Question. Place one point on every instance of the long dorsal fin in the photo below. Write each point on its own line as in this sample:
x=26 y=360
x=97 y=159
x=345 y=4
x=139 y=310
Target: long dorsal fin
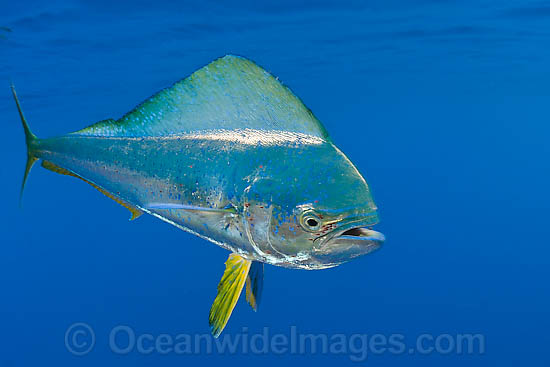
x=228 y=94
x=55 y=168
x=229 y=289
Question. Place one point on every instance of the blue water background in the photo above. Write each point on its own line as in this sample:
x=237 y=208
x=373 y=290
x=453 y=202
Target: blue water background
x=442 y=105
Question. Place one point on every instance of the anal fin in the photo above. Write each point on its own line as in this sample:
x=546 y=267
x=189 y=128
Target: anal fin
x=136 y=212
x=229 y=290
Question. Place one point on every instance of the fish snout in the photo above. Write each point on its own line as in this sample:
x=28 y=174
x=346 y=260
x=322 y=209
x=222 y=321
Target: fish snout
x=359 y=236
x=349 y=244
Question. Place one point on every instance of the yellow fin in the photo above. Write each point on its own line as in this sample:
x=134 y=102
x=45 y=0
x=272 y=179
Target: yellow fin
x=229 y=289
x=254 y=284
x=55 y=168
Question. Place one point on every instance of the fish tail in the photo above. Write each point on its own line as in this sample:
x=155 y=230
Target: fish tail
x=30 y=139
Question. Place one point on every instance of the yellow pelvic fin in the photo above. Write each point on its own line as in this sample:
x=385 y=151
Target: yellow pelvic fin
x=55 y=168
x=229 y=289
x=254 y=284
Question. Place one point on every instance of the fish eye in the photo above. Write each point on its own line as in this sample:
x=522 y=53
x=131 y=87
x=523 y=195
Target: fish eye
x=310 y=221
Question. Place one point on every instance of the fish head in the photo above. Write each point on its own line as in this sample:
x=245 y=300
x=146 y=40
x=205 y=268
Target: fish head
x=313 y=217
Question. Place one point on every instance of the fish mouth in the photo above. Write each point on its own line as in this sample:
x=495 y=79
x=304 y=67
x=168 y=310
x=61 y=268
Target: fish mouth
x=361 y=236
x=350 y=242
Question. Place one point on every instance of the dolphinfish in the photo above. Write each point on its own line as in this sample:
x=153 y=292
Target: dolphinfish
x=233 y=156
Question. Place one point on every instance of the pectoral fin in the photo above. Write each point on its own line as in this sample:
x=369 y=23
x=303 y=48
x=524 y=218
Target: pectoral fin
x=176 y=206
x=255 y=284
x=229 y=289
x=136 y=212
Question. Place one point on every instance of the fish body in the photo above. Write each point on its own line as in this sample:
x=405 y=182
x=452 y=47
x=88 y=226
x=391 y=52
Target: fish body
x=233 y=156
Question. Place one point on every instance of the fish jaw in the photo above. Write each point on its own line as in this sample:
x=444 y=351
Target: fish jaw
x=364 y=240
x=346 y=243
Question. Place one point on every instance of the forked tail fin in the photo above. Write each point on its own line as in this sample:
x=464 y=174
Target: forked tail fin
x=29 y=138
